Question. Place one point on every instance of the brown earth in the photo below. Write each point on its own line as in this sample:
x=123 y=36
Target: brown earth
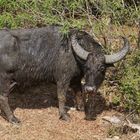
x=38 y=112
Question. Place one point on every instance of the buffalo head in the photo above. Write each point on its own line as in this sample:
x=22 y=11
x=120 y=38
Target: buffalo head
x=96 y=61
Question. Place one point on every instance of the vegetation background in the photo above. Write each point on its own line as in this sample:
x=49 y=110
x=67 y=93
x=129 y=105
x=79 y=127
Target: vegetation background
x=105 y=20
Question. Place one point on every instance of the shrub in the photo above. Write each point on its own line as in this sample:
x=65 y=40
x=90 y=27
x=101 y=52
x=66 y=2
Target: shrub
x=69 y=13
x=130 y=82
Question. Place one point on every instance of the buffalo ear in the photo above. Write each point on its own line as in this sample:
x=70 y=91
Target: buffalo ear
x=110 y=65
x=16 y=41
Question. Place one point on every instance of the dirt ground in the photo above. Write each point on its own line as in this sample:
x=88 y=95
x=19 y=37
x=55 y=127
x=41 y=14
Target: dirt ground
x=37 y=109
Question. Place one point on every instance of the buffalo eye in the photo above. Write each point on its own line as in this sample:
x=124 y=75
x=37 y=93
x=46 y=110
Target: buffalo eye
x=101 y=68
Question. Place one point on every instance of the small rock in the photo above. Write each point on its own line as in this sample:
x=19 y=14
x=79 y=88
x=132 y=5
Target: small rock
x=72 y=108
x=112 y=119
x=135 y=126
x=114 y=138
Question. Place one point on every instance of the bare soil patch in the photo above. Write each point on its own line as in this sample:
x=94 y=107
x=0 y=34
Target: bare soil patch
x=37 y=109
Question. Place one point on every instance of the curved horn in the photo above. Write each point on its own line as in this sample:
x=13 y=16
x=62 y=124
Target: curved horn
x=78 y=49
x=109 y=59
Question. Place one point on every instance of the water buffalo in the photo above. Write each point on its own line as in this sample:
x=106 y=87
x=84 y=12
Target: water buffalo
x=29 y=56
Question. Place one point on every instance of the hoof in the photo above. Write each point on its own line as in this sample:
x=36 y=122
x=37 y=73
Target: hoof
x=90 y=118
x=14 y=120
x=65 y=117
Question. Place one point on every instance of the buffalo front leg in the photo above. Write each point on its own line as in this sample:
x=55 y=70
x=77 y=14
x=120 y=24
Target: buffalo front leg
x=6 y=109
x=61 y=92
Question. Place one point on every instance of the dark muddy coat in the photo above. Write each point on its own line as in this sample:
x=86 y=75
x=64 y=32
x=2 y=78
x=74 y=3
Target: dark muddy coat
x=30 y=56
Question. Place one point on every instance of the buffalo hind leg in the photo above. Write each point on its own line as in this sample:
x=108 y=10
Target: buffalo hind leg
x=61 y=92
x=5 y=88
x=6 y=109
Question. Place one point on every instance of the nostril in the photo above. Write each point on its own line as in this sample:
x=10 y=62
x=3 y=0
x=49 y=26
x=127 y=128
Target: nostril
x=89 y=88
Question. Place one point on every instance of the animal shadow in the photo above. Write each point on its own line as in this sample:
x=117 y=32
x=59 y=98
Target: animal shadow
x=44 y=96
x=37 y=97
x=94 y=105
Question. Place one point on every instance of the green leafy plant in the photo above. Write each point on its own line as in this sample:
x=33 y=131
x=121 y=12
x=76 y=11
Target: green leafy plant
x=130 y=82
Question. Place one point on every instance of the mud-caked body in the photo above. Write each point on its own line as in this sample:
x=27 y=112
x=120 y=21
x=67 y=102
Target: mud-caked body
x=31 y=56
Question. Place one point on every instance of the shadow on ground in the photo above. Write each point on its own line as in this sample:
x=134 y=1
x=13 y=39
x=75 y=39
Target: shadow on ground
x=38 y=97
x=45 y=96
x=95 y=105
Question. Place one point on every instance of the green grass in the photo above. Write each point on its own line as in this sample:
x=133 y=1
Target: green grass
x=70 y=13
